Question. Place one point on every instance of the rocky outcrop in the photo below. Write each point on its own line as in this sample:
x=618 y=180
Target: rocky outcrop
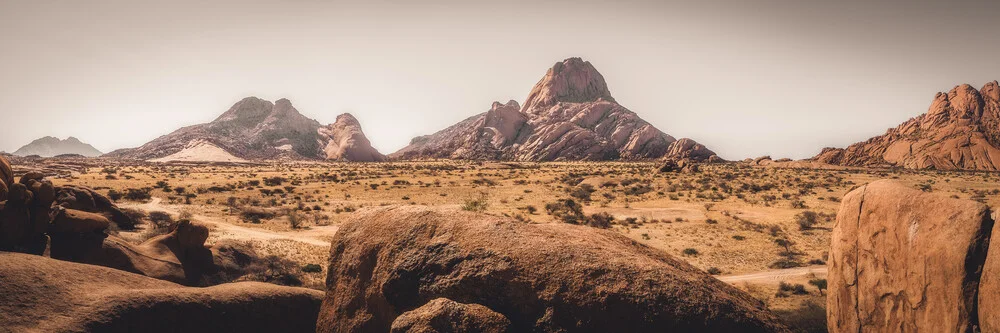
x=253 y=129
x=346 y=141
x=989 y=286
x=39 y=294
x=50 y=147
x=961 y=130
x=388 y=261
x=569 y=115
x=444 y=315
x=902 y=260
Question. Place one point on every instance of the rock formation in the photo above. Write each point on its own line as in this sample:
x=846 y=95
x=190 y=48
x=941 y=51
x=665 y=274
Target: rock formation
x=903 y=260
x=252 y=129
x=39 y=294
x=961 y=130
x=346 y=141
x=50 y=146
x=569 y=115
x=445 y=315
x=388 y=261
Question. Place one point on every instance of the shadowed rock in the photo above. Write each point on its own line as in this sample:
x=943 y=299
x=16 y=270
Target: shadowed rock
x=444 y=315
x=542 y=277
x=39 y=294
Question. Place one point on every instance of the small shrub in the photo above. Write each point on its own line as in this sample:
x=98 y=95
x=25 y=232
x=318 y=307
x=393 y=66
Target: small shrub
x=690 y=252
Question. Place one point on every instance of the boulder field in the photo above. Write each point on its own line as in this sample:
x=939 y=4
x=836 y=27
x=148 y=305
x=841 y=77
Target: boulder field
x=390 y=267
x=903 y=260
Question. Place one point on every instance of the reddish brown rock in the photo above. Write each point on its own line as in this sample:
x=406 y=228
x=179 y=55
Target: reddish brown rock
x=569 y=115
x=6 y=177
x=88 y=200
x=903 y=260
x=542 y=277
x=346 y=141
x=961 y=130
x=989 y=286
x=444 y=315
x=39 y=294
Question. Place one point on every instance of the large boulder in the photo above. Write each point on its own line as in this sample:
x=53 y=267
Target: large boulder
x=179 y=256
x=443 y=315
x=88 y=200
x=903 y=260
x=39 y=294
x=543 y=277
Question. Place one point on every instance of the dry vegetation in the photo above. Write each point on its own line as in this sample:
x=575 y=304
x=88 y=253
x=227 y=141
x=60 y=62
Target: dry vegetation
x=726 y=219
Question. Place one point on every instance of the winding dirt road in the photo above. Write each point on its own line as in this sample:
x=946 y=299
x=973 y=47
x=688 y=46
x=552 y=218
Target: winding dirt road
x=774 y=275
x=317 y=235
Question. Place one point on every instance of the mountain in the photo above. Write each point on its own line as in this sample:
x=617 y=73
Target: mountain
x=346 y=141
x=50 y=146
x=960 y=131
x=569 y=115
x=252 y=129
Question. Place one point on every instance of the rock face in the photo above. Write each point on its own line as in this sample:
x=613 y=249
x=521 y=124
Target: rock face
x=39 y=294
x=253 y=129
x=346 y=141
x=961 y=130
x=50 y=146
x=569 y=115
x=989 y=287
x=542 y=277
x=904 y=261
x=444 y=315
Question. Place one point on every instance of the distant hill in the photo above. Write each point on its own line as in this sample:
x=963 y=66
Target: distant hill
x=960 y=131
x=252 y=129
x=50 y=146
x=569 y=115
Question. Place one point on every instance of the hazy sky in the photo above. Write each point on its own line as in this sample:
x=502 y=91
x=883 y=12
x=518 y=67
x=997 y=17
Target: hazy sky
x=746 y=78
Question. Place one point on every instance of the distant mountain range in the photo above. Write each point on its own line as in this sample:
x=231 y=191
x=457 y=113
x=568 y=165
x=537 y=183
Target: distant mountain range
x=961 y=130
x=569 y=115
x=51 y=146
x=255 y=129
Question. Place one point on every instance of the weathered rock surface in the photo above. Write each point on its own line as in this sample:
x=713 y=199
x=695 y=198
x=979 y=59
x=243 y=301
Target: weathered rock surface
x=50 y=146
x=569 y=115
x=989 y=286
x=39 y=294
x=903 y=260
x=253 y=129
x=443 y=315
x=542 y=277
x=346 y=141
x=961 y=130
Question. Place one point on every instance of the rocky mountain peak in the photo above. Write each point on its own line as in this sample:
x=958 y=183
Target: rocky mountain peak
x=573 y=81
x=250 y=110
x=961 y=130
x=345 y=141
x=51 y=146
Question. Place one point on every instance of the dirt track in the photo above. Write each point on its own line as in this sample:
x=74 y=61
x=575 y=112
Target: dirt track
x=775 y=275
x=313 y=236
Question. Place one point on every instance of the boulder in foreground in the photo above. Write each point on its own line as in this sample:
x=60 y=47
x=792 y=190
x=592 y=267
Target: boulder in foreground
x=903 y=260
x=39 y=294
x=542 y=277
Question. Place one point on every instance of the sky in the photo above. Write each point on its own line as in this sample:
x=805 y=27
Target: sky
x=746 y=78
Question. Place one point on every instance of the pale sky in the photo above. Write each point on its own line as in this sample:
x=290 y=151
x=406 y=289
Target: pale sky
x=745 y=78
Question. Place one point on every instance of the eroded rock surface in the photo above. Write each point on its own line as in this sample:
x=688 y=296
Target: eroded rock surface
x=569 y=115
x=542 y=277
x=961 y=130
x=903 y=260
